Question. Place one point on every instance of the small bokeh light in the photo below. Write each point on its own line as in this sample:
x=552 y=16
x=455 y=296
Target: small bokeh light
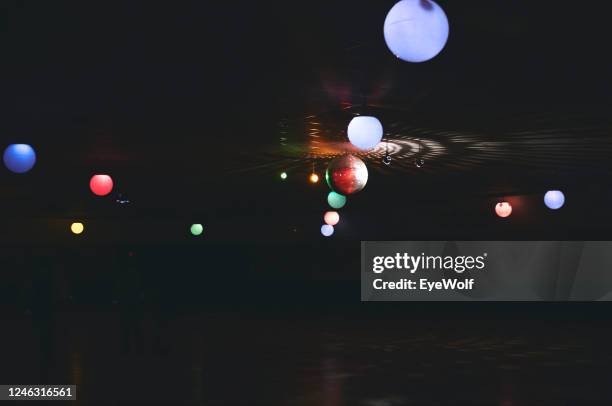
x=197 y=229
x=77 y=228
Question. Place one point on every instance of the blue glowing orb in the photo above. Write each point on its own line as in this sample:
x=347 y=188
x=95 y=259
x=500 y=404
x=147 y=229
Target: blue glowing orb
x=554 y=199
x=365 y=132
x=327 y=230
x=416 y=30
x=19 y=158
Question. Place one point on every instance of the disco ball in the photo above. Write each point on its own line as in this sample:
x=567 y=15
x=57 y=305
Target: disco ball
x=346 y=174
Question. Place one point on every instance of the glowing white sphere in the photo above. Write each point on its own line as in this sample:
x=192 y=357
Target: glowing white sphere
x=416 y=30
x=327 y=230
x=365 y=132
x=554 y=199
x=331 y=217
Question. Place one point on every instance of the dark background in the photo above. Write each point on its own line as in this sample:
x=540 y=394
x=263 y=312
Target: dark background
x=195 y=108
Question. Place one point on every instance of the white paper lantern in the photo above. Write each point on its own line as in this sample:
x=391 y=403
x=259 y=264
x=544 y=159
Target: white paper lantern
x=554 y=199
x=365 y=132
x=327 y=230
x=416 y=30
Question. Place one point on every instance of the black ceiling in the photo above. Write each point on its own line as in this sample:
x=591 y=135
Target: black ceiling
x=195 y=108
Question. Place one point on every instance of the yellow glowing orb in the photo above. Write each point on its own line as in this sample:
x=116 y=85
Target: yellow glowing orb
x=77 y=228
x=314 y=178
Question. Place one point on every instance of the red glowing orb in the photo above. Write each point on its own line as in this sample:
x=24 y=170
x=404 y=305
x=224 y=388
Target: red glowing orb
x=346 y=174
x=101 y=185
x=503 y=209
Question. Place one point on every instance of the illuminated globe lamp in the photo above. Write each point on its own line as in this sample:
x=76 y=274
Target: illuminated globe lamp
x=503 y=209
x=416 y=30
x=327 y=230
x=364 y=132
x=313 y=178
x=336 y=200
x=101 y=185
x=554 y=199
x=77 y=228
x=346 y=174
x=19 y=158
x=283 y=175
x=331 y=217
x=196 y=229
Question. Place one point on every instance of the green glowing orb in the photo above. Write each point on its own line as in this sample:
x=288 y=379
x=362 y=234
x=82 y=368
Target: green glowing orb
x=336 y=200
x=197 y=229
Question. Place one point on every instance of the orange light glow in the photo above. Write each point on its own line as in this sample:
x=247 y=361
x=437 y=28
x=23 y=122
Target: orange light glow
x=314 y=178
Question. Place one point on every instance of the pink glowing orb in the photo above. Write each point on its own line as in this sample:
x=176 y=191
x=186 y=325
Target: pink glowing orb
x=503 y=209
x=332 y=218
x=101 y=185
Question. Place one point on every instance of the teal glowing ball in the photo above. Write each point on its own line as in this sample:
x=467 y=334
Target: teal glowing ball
x=336 y=200
x=19 y=158
x=365 y=132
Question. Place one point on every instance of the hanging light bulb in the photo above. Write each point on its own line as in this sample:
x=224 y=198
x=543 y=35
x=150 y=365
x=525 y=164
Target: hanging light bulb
x=283 y=175
x=314 y=178
x=387 y=158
